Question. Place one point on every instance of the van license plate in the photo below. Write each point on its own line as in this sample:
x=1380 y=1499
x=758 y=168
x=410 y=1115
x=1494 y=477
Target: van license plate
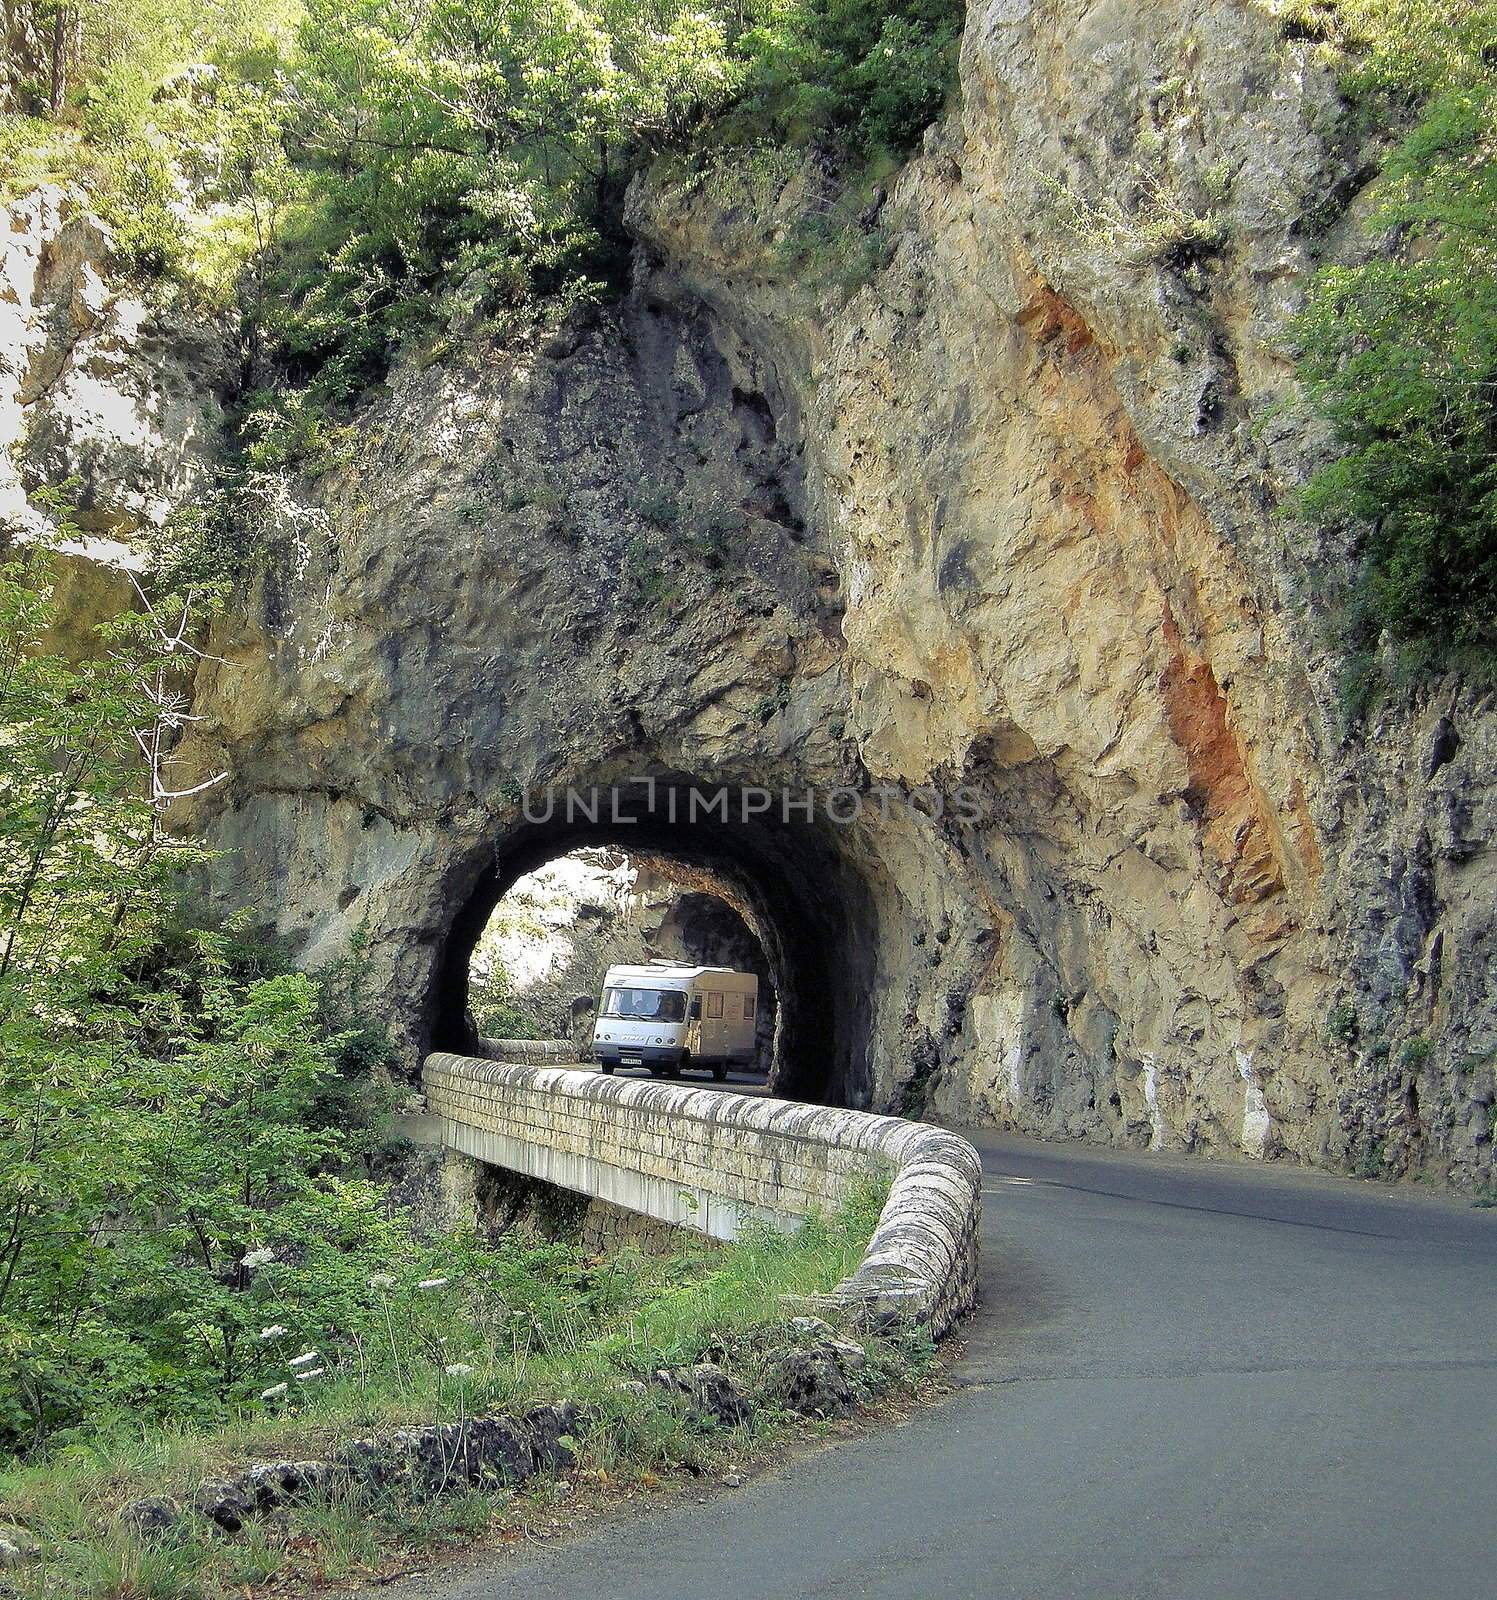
x=632 y=1061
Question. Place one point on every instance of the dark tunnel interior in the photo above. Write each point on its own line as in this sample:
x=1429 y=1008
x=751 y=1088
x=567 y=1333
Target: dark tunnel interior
x=793 y=881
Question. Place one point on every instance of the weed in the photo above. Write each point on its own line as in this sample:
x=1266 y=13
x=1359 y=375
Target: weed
x=1372 y=1162
x=1416 y=1051
x=660 y=508
x=533 y=1322
x=1217 y=182
x=1159 y=227
x=650 y=585
x=1342 y=1023
x=771 y=704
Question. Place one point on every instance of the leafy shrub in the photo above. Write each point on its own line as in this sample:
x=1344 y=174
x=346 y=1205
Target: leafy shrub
x=171 y=1147
x=1416 y=1052
x=33 y=150
x=497 y=1011
x=1400 y=353
x=350 y=171
x=1156 y=225
x=868 y=77
x=1342 y=1024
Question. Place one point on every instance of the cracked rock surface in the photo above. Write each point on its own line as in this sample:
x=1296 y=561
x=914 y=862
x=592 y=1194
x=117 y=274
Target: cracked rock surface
x=1003 y=514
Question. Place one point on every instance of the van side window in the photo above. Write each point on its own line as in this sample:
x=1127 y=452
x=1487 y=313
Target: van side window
x=714 y=1003
x=748 y=1008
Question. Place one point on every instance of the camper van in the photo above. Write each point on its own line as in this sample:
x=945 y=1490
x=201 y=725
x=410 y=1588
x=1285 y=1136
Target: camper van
x=666 y=1017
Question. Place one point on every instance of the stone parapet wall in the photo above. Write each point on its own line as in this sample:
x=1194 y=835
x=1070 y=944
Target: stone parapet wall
x=716 y=1161
x=536 y=1052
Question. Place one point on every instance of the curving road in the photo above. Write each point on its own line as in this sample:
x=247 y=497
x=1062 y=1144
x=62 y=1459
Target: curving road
x=1186 y=1381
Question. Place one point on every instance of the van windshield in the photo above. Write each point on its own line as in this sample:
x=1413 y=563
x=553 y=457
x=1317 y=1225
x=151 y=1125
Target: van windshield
x=649 y=1005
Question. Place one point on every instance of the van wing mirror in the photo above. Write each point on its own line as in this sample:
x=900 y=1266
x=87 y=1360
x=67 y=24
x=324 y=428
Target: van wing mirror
x=695 y=1013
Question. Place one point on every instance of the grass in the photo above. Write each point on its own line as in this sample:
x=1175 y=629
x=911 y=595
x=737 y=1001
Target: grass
x=536 y=1323
x=33 y=151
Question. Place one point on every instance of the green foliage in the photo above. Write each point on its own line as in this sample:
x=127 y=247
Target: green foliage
x=1416 y=1052
x=343 y=169
x=660 y=508
x=496 y=1010
x=644 y=571
x=156 y=148
x=846 y=73
x=833 y=246
x=1400 y=353
x=457 y=143
x=1156 y=225
x=1405 y=49
x=770 y=704
x=1371 y=1160
x=162 y=1105
x=1342 y=1024
x=33 y=150
x=458 y=1329
x=361 y=1091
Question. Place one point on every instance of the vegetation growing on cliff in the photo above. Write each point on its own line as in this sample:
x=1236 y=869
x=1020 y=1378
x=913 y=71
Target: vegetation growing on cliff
x=344 y=170
x=339 y=166
x=1399 y=350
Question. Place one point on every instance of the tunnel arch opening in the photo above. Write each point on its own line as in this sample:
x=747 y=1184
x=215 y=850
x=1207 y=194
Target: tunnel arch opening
x=794 y=882
x=539 y=966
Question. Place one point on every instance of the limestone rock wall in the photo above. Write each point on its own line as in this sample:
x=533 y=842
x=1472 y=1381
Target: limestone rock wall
x=997 y=509
x=1045 y=448
x=101 y=387
x=109 y=399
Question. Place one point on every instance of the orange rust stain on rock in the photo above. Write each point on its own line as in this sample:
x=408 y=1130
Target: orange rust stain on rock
x=1047 y=317
x=1235 y=827
x=1121 y=490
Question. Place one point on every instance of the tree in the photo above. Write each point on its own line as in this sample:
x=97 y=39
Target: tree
x=169 y=1183
x=1400 y=353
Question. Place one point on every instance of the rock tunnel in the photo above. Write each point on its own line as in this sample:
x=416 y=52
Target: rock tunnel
x=793 y=880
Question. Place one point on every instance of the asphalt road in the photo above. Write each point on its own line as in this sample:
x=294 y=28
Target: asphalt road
x=1186 y=1380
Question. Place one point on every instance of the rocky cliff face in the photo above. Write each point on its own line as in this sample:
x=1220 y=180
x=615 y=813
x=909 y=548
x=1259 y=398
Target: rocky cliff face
x=1000 y=515
x=23 y=52
x=111 y=401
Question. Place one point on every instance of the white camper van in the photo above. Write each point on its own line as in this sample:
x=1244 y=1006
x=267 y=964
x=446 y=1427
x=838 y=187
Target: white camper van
x=666 y=1017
